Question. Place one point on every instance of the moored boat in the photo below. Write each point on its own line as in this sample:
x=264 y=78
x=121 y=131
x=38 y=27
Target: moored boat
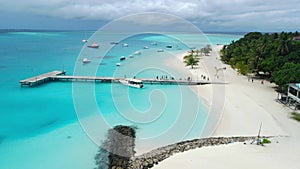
x=132 y=83
x=93 y=45
x=125 y=45
x=85 y=60
x=137 y=52
x=122 y=58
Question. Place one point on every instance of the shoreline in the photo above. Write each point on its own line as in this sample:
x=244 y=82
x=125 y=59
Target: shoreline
x=246 y=105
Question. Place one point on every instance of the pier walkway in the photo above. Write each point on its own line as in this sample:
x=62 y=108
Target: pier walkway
x=40 y=79
x=60 y=76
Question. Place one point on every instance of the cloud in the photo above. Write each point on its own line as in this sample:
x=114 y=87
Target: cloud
x=256 y=14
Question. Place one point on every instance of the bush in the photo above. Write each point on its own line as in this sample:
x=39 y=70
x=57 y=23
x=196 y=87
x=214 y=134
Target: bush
x=295 y=116
x=266 y=141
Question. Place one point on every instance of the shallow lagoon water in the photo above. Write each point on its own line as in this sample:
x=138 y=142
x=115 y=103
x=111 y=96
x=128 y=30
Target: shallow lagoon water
x=41 y=120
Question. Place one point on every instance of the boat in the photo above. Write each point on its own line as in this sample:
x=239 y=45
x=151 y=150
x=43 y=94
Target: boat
x=131 y=56
x=146 y=47
x=153 y=43
x=84 y=40
x=137 y=52
x=118 y=64
x=160 y=50
x=125 y=45
x=94 y=45
x=114 y=43
x=132 y=83
x=169 y=46
x=85 y=60
x=122 y=58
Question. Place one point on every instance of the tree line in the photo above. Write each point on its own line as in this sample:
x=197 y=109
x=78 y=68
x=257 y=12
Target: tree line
x=274 y=55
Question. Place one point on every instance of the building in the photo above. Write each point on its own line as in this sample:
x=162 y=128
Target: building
x=293 y=97
x=296 y=38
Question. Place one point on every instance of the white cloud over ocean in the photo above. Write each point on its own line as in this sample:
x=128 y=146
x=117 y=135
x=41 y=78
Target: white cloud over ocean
x=255 y=14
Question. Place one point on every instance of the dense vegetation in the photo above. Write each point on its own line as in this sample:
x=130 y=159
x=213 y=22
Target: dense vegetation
x=276 y=55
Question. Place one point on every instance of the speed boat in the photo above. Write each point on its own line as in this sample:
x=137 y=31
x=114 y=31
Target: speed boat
x=85 y=60
x=122 y=58
x=137 y=52
x=94 y=45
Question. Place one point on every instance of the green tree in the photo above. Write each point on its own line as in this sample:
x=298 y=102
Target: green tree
x=191 y=60
x=284 y=47
x=268 y=53
x=289 y=73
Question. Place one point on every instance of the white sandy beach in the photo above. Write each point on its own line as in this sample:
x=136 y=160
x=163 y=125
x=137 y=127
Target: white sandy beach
x=246 y=105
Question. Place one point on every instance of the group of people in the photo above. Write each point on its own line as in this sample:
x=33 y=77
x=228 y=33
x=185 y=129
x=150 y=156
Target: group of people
x=165 y=77
x=252 y=80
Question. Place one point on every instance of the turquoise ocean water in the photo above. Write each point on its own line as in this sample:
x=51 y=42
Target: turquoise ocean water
x=45 y=119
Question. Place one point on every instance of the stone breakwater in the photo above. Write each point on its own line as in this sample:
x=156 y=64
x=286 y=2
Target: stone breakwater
x=149 y=159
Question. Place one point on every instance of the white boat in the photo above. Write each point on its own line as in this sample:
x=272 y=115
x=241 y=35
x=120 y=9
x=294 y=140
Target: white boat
x=146 y=47
x=118 y=64
x=122 y=58
x=132 y=83
x=125 y=45
x=85 y=60
x=131 y=56
x=137 y=52
x=153 y=43
x=94 y=45
x=84 y=40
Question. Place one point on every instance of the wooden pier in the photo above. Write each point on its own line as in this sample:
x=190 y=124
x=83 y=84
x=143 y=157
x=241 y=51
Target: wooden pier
x=60 y=76
x=41 y=79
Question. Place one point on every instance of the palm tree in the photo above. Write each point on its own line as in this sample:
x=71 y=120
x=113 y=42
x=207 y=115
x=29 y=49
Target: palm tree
x=284 y=47
x=191 y=52
x=206 y=51
x=191 y=60
x=208 y=47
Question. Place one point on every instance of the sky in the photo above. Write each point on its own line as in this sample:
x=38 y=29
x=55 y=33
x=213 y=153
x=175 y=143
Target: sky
x=207 y=15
